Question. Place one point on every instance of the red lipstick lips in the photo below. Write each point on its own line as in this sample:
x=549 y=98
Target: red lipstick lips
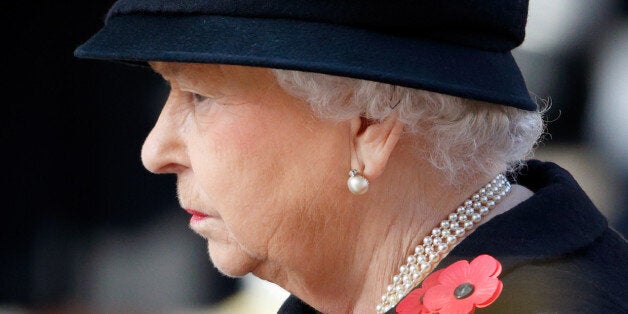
x=196 y=215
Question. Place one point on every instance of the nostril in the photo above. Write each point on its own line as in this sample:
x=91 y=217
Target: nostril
x=170 y=168
x=160 y=162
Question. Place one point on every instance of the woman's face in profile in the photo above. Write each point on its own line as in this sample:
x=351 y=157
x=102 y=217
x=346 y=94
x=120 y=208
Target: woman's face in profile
x=251 y=157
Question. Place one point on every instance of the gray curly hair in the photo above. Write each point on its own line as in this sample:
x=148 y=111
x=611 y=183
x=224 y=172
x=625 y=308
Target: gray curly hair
x=465 y=137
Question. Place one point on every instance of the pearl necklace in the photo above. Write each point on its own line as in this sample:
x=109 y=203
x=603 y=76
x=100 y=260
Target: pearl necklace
x=442 y=239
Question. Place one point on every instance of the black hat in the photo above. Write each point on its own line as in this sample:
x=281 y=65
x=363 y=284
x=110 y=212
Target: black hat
x=456 y=47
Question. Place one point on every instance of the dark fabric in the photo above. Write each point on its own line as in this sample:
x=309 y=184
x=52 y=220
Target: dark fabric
x=491 y=25
x=461 y=49
x=557 y=252
x=294 y=305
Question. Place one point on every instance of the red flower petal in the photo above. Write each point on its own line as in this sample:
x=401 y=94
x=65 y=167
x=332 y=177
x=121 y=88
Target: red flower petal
x=455 y=274
x=498 y=271
x=411 y=304
x=484 y=266
x=431 y=280
x=484 y=290
x=494 y=297
x=463 y=306
x=437 y=297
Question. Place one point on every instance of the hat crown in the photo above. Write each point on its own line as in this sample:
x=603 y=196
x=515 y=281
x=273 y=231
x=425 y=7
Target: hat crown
x=495 y=25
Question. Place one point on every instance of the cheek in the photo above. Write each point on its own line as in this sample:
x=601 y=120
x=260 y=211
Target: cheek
x=236 y=164
x=228 y=157
x=261 y=175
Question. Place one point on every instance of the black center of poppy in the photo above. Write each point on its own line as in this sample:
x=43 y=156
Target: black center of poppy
x=464 y=290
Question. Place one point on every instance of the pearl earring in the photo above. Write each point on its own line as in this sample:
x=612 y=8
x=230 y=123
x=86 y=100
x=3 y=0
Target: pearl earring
x=357 y=184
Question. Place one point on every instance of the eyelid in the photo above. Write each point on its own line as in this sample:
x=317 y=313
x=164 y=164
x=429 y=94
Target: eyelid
x=204 y=94
x=199 y=97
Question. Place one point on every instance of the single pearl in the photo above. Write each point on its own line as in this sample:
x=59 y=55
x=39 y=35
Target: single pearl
x=418 y=249
x=483 y=210
x=406 y=279
x=453 y=217
x=451 y=239
x=358 y=185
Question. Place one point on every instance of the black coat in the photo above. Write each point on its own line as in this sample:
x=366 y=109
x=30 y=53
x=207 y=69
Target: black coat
x=557 y=252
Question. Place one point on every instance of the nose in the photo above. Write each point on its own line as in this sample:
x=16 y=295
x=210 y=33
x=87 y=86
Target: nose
x=164 y=149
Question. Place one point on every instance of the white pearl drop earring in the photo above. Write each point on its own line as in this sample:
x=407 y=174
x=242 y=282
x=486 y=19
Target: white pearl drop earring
x=357 y=184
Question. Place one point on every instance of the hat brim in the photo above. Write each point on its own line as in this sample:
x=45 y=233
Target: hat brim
x=316 y=47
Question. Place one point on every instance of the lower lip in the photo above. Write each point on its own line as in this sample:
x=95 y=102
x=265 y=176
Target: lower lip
x=196 y=216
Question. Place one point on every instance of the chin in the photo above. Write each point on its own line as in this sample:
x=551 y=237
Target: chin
x=229 y=260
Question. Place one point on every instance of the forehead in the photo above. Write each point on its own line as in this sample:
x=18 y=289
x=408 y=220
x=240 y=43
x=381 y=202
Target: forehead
x=164 y=68
x=212 y=72
x=220 y=78
x=174 y=69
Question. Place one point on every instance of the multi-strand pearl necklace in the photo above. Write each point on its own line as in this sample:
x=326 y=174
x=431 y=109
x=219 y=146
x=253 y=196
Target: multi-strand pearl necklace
x=442 y=239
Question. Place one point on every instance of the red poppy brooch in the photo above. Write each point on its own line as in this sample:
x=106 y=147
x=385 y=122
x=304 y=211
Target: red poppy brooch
x=459 y=288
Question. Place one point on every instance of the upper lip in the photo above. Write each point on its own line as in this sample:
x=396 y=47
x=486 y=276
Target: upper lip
x=196 y=212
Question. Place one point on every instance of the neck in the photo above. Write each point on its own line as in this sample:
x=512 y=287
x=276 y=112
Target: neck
x=411 y=224
x=385 y=229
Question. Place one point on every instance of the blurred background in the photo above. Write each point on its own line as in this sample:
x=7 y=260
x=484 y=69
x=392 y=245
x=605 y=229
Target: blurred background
x=86 y=229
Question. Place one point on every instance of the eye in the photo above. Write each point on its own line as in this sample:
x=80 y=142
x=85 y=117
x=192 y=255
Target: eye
x=198 y=98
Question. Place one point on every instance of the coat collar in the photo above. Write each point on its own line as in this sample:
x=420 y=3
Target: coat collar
x=559 y=218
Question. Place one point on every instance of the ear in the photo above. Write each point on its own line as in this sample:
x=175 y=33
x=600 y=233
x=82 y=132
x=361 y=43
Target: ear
x=373 y=143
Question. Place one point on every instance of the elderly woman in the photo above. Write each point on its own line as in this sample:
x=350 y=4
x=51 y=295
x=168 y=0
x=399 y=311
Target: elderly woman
x=367 y=155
